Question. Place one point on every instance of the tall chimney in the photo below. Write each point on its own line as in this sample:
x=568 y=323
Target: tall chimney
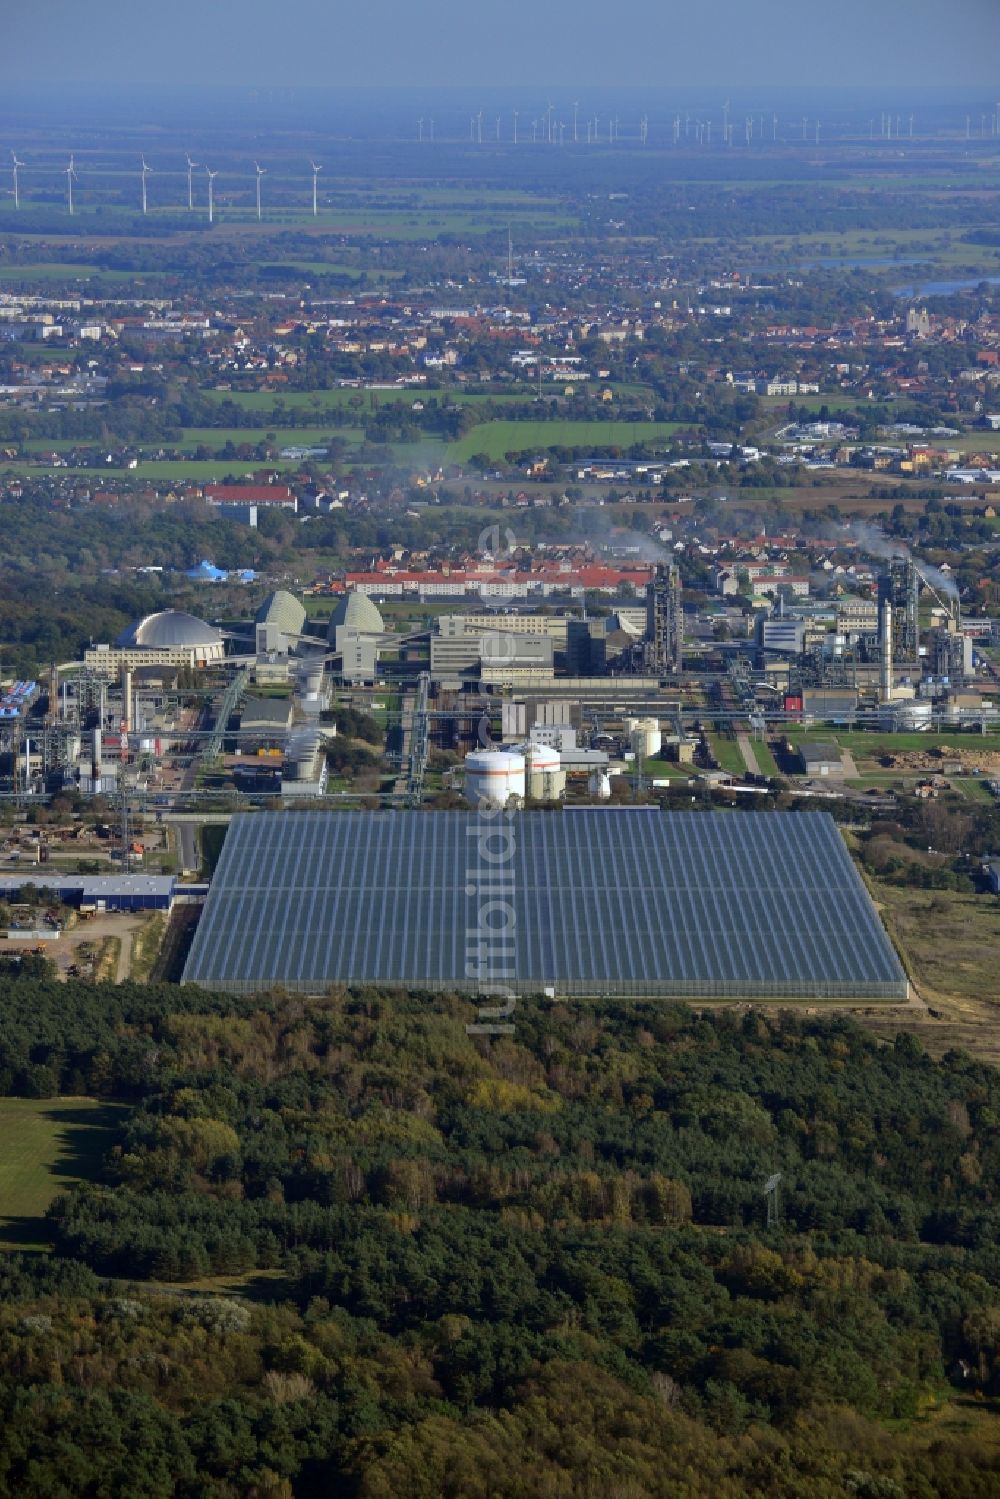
x=95 y=758
x=885 y=653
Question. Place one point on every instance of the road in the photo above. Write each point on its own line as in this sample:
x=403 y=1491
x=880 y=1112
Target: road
x=748 y=753
x=187 y=846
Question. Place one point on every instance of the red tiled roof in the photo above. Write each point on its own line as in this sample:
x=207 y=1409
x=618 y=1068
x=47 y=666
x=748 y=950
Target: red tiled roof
x=249 y=494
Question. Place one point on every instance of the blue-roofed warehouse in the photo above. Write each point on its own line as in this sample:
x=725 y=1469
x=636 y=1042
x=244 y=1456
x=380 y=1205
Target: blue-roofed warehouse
x=105 y=892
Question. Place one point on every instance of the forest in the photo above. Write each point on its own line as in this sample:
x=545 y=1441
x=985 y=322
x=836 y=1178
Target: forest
x=529 y=1265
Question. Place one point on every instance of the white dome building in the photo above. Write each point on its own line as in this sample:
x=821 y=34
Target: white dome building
x=167 y=638
x=171 y=630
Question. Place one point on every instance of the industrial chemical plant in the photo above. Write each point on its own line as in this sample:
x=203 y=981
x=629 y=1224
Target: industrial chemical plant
x=528 y=701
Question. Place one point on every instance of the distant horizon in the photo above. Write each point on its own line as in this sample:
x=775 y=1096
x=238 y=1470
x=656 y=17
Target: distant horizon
x=659 y=45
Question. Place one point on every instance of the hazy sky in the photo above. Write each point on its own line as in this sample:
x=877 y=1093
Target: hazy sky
x=738 y=44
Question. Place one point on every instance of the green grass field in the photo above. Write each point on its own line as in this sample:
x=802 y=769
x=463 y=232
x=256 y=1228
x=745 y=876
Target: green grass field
x=727 y=753
x=68 y=271
x=48 y=1144
x=942 y=247
x=971 y=442
x=365 y=400
x=494 y=439
x=283 y=437
x=667 y=770
x=869 y=745
x=170 y=470
x=765 y=759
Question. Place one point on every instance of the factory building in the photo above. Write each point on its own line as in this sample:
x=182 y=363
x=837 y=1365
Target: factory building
x=781 y=635
x=491 y=656
x=305 y=771
x=100 y=892
x=820 y=759
x=586 y=647
x=355 y=631
x=555 y=625
x=951 y=654
x=664 y=620
x=899 y=595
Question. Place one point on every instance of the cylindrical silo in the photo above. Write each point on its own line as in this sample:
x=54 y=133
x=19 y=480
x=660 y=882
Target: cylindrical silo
x=645 y=739
x=494 y=777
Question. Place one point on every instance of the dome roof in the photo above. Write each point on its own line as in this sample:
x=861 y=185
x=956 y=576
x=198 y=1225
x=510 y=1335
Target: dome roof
x=355 y=611
x=171 y=629
x=284 y=610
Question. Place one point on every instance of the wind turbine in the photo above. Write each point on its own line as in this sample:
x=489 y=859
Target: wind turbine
x=420 y=129
x=211 y=194
x=145 y=173
x=576 y=106
x=316 y=169
x=70 y=175
x=261 y=172
x=17 y=198
x=515 y=126
x=191 y=167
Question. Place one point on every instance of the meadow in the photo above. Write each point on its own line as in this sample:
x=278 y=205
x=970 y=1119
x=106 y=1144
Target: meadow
x=48 y=1145
x=68 y=271
x=494 y=439
x=364 y=399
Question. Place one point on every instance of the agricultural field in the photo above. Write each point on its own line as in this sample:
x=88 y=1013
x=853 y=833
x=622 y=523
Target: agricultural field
x=494 y=439
x=173 y=470
x=900 y=249
x=979 y=441
x=363 y=399
x=49 y=1144
x=290 y=437
x=68 y=271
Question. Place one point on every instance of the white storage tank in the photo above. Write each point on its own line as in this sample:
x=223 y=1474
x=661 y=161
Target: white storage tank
x=495 y=777
x=906 y=715
x=546 y=785
x=541 y=757
x=644 y=737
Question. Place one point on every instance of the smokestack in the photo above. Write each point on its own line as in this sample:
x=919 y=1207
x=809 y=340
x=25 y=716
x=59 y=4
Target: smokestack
x=885 y=653
x=126 y=701
x=95 y=757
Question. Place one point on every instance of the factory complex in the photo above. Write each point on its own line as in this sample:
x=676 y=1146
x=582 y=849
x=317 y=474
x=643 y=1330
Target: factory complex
x=593 y=901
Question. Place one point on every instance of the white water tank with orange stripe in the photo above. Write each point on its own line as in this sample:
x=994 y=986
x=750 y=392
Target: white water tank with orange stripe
x=494 y=777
